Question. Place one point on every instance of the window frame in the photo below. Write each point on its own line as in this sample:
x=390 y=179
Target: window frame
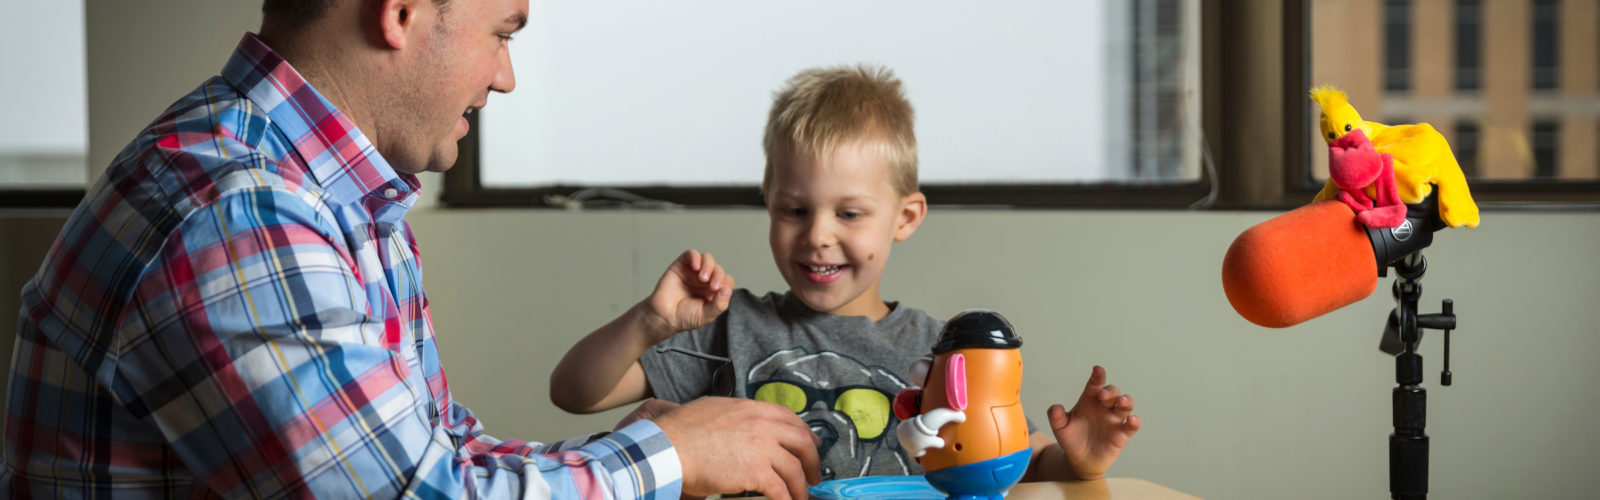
x=22 y=197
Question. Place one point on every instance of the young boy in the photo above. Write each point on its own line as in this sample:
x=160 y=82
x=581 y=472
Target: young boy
x=840 y=187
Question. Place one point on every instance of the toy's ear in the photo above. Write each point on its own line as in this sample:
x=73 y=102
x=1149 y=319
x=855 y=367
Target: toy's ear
x=955 y=382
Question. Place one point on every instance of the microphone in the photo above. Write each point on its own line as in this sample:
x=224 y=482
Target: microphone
x=1317 y=258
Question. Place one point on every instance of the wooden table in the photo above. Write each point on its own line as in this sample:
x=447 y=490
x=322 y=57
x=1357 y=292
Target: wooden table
x=1115 y=488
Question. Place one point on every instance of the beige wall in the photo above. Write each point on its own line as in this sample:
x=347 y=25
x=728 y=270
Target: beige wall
x=1231 y=410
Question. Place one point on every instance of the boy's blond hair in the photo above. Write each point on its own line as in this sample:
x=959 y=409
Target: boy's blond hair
x=821 y=110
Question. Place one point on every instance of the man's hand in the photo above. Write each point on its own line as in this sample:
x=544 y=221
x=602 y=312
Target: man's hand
x=1092 y=435
x=732 y=445
x=648 y=410
x=692 y=292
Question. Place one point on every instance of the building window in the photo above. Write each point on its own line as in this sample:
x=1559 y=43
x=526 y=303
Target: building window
x=1546 y=147
x=1546 y=34
x=1469 y=44
x=1397 y=45
x=44 y=137
x=1465 y=146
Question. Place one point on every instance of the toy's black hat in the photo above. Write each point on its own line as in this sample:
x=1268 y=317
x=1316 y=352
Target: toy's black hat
x=977 y=328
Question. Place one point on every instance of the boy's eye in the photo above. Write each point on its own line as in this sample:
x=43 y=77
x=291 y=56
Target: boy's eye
x=849 y=215
x=794 y=212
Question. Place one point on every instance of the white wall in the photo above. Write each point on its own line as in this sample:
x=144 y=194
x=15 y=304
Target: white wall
x=1231 y=410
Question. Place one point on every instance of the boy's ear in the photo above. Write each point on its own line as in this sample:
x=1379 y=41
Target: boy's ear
x=912 y=210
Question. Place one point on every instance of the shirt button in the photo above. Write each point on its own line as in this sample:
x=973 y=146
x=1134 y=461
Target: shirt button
x=390 y=193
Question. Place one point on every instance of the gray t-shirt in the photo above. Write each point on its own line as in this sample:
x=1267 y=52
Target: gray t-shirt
x=839 y=373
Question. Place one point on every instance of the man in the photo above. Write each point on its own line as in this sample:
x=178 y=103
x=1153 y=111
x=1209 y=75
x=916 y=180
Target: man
x=236 y=308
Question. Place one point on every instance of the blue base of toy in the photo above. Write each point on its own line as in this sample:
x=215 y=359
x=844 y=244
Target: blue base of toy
x=986 y=480
x=877 y=488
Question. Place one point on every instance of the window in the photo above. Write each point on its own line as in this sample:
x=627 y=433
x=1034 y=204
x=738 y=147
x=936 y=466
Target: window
x=1468 y=44
x=1546 y=148
x=1397 y=45
x=1546 y=49
x=1258 y=60
x=1023 y=103
x=1465 y=145
x=43 y=116
x=1507 y=130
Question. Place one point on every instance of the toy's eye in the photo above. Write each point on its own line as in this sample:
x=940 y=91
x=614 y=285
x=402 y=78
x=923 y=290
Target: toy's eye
x=1346 y=127
x=1332 y=135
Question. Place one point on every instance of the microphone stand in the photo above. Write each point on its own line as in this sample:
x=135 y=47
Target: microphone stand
x=1408 y=445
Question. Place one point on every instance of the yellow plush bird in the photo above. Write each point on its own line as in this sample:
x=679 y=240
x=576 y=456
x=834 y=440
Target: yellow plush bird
x=1422 y=158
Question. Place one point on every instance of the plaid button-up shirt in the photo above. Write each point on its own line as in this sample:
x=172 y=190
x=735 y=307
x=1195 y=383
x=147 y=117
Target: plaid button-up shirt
x=236 y=309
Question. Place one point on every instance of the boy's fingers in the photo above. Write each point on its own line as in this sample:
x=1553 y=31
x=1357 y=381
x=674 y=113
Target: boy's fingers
x=718 y=275
x=1058 y=417
x=692 y=258
x=707 y=265
x=1108 y=396
x=1097 y=378
x=1133 y=424
x=1124 y=403
x=726 y=292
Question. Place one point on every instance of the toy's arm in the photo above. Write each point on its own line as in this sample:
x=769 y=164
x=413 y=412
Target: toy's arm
x=1389 y=210
x=1388 y=194
x=919 y=433
x=1356 y=199
x=1456 y=207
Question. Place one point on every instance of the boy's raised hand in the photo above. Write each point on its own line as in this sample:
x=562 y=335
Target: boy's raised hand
x=1092 y=435
x=692 y=292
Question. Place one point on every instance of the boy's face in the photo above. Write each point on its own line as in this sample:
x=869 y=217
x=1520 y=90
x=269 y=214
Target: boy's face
x=833 y=220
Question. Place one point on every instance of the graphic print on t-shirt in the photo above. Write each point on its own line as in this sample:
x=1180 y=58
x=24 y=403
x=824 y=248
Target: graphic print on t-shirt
x=846 y=403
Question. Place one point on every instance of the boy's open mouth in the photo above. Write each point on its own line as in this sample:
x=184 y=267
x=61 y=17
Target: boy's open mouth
x=822 y=274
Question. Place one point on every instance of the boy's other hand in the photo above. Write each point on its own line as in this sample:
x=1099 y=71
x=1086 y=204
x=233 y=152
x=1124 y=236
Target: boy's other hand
x=692 y=292
x=1093 y=434
x=729 y=445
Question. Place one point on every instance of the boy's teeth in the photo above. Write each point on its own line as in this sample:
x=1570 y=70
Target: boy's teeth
x=823 y=269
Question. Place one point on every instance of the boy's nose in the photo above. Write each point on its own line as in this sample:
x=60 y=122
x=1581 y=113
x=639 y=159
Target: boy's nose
x=820 y=235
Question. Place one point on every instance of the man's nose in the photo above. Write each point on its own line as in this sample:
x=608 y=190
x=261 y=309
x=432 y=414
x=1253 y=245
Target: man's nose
x=505 y=79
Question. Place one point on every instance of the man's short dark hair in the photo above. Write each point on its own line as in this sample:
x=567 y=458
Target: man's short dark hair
x=301 y=12
x=294 y=12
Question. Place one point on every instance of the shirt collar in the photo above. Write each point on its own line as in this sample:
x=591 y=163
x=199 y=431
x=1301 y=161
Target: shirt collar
x=336 y=153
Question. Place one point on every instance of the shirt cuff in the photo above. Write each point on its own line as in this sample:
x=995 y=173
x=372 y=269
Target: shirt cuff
x=641 y=461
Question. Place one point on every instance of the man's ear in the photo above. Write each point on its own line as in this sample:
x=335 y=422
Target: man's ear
x=396 y=19
x=912 y=210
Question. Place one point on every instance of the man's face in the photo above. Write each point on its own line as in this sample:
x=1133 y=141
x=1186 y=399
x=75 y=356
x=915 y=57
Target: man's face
x=832 y=222
x=458 y=56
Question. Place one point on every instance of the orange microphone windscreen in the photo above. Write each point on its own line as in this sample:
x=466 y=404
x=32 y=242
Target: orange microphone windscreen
x=1300 y=265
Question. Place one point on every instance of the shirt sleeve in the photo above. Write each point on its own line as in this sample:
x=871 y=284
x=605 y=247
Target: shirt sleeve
x=256 y=349
x=680 y=377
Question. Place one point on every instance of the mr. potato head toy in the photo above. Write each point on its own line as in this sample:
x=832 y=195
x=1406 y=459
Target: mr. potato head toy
x=966 y=424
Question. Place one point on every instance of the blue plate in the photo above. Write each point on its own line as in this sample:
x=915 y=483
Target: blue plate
x=877 y=488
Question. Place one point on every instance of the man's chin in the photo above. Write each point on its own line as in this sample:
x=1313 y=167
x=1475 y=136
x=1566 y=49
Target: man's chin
x=445 y=161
